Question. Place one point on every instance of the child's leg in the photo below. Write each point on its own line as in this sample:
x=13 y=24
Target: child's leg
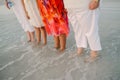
x=28 y=36
x=57 y=42
x=38 y=36
x=62 y=38
x=44 y=35
x=32 y=36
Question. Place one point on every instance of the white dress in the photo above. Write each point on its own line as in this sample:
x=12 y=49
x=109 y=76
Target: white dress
x=84 y=22
x=20 y=14
x=33 y=12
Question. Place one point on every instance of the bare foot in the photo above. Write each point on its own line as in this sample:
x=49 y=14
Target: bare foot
x=38 y=42
x=57 y=47
x=43 y=44
x=93 y=57
x=80 y=51
x=61 y=50
x=32 y=40
x=93 y=54
x=29 y=41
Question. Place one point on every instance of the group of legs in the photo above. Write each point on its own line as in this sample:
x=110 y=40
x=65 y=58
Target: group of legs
x=85 y=31
x=59 y=41
x=36 y=35
x=41 y=32
x=33 y=16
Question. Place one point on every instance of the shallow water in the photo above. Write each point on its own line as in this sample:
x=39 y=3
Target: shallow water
x=20 y=60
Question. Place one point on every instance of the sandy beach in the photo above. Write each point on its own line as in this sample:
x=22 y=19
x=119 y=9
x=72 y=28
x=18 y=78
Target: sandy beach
x=20 y=60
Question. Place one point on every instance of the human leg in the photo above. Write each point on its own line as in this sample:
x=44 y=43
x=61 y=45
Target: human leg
x=38 y=35
x=56 y=42
x=62 y=39
x=44 y=35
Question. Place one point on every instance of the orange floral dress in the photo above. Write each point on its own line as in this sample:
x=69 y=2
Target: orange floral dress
x=54 y=16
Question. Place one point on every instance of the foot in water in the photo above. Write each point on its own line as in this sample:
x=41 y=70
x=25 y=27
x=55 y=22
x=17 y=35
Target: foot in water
x=93 y=57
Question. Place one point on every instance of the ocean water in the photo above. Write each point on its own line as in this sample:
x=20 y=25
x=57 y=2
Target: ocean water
x=20 y=60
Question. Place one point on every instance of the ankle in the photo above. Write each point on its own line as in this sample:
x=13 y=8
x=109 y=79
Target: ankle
x=32 y=40
x=28 y=40
x=62 y=49
x=80 y=50
x=38 y=42
x=94 y=54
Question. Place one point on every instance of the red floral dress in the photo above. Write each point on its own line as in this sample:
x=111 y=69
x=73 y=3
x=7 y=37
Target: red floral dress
x=54 y=16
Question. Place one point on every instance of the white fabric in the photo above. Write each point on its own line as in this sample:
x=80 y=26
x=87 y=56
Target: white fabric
x=76 y=3
x=20 y=14
x=32 y=9
x=85 y=26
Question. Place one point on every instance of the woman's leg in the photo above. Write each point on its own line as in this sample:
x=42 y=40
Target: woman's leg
x=32 y=36
x=93 y=35
x=57 y=42
x=28 y=36
x=38 y=35
x=62 y=39
x=44 y=35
